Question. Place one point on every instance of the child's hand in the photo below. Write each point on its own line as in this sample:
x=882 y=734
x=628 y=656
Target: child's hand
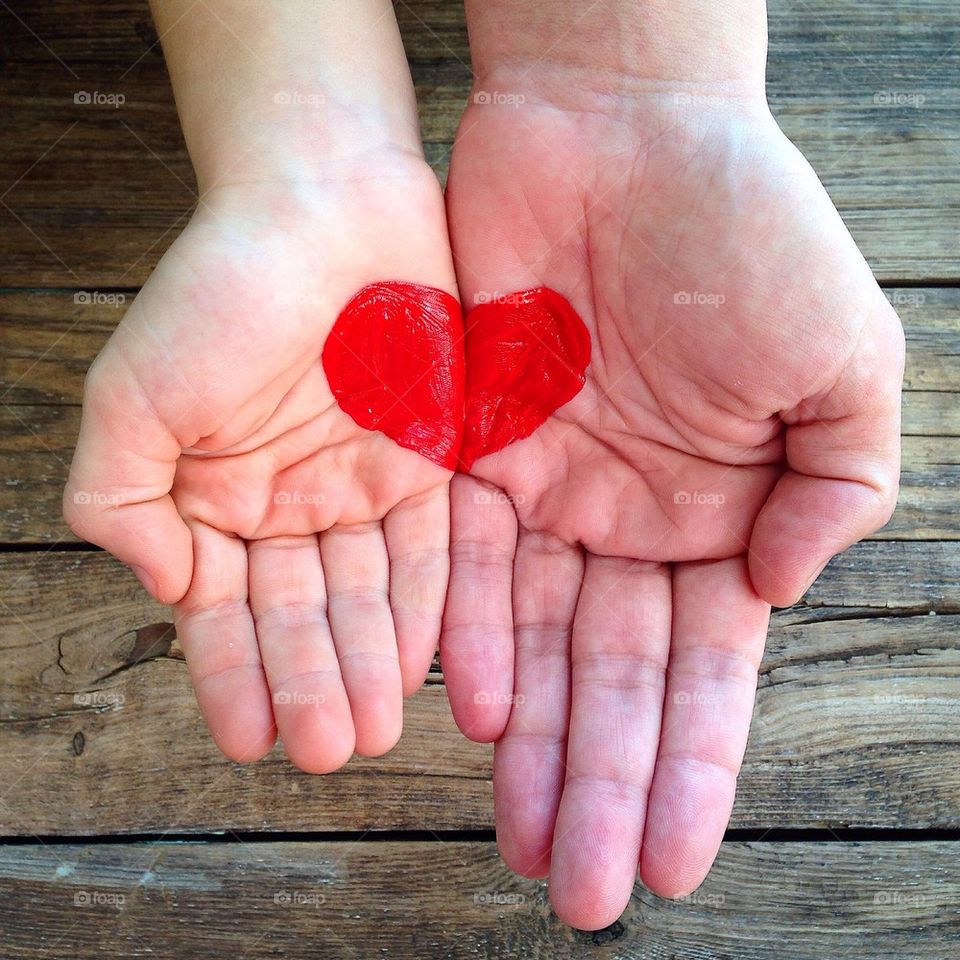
x=212 y=452
x=210 y=403
x=739 y=426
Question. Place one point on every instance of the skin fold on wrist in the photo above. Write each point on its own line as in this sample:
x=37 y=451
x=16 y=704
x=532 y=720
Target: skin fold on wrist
x=571 y=54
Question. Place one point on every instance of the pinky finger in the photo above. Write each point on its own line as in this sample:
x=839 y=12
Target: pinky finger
x=216 y=629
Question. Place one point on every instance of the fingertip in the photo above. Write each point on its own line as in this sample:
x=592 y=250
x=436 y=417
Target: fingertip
x=782 y=590
x=480 y=721
x=321 y=758
x=150 y=537
x=587 y=911
x=412 y=682
x=378 y=733
x=664 y=881
x=170 y=567
x=527 y=860
x=240 y=747
x=172 y=586
x=414 y=669
x=662 y=886
x=242 y=735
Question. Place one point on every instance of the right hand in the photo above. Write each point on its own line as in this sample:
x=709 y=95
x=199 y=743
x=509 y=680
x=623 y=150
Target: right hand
x=739 y=425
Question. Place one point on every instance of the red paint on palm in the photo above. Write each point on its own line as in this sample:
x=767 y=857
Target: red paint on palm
x=397 y=361
x=394 y=361
x=526 y=356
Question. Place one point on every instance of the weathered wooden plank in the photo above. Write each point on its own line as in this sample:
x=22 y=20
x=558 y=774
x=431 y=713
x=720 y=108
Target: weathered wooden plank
x=120 y=31
x=868 y=93
x=48 y=339
x=99 y=732
x=796 y=901
x=95 y=694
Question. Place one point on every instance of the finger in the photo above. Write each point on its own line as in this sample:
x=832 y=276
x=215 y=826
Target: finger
x=215 y=628
x=417 y=534
x=620 y=645
x=719 y=628
x=476 y=641
x=356 y=568
x=528 y=761
x=118 y=491
x=288 y=599
x=843 y=454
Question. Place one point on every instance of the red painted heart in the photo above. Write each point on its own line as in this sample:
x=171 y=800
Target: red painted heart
x=398 y=361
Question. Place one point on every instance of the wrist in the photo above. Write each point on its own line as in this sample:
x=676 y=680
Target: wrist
x=567 y=56
x=300 y=134
x=276 y=91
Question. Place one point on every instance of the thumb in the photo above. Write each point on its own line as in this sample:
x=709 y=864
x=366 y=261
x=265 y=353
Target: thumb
x=843 y=464
x=118 y=492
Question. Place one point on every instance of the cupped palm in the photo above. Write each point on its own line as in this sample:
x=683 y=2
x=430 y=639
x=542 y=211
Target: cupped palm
x=306 y=556
x=738 y=426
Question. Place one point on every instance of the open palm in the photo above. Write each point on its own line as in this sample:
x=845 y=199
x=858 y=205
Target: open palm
x=612 y=574
x=307 y=557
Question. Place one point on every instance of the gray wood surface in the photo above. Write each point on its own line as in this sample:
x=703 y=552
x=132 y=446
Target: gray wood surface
x=854 y=724
x=866 y=89
x=361 y=900
x=859 y=692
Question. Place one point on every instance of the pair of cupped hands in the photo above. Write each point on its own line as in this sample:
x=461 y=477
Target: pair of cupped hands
x=600 y=590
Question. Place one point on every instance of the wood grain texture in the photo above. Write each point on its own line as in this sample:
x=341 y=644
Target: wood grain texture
x=99 y=732
x=456 y=901
x=855 y=723
x=48 y=339
x=97 y=192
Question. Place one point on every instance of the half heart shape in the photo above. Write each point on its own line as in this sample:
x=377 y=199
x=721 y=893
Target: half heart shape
x=526 y=356
x=394 y=361
x=398 y=361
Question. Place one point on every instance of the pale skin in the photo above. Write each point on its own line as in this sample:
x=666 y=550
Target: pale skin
x=306 y=557
x=611 y=576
